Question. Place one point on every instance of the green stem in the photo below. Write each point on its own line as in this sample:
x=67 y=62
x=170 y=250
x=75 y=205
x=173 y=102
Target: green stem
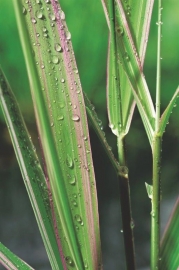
x=156 y=152
x=126 y=212
x=155 y=214
x=127 y=221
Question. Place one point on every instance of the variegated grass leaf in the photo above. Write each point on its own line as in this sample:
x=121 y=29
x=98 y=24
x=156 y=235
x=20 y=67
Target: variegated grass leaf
x=63 y=129
x=170 y=241
x=166 y=114
x=134 y=25
x=10 y=261
x=31 y=170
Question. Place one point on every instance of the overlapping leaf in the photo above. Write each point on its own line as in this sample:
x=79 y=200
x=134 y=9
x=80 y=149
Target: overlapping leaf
x=132 y=22
x=63 y=129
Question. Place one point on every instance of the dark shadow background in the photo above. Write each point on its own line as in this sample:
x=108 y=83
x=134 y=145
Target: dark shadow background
x=18 y=229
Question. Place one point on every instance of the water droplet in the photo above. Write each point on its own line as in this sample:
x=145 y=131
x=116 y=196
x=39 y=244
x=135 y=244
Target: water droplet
x=68 y=36
x=69 y=161
x=62 y=80
x=42 y=66
x=61 y=105
x=72 y=180
x=126 y=56
x=58 y=48
x=55 y=59
x=69 y=261
x=120 y=31
x=86 y=265
x=24 y=11
x=60 y=117
x=44 y=29
x=75 y=118
x=121 y=231
x=52 y=17
x=52 y=124
x=62 y=15
x=79 y=219
x=132 y=224
x=33 y=20
x=39 y=14
x=74 y=203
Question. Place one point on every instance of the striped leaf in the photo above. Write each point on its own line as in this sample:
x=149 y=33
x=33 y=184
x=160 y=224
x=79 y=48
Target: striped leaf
x=132 y=22
x=31 y=170
x=170 y=242
x=62 y=125
x=10 y=261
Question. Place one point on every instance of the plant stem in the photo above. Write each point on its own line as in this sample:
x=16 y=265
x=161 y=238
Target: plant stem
x=156 y=152
x=155 y=214
x=127 y=221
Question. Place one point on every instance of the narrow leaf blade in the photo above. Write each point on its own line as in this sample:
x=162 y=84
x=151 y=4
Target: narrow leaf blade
x=32 y=173
x=10 y=261
x=170 y=241
x=61 y=117
x=166 y=115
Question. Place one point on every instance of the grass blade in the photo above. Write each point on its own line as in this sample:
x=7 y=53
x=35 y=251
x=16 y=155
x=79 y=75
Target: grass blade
x=166 y=114
x=170 y=242
x=32 y=173
x=10 y=261
x=132 y=29
x=62 y=124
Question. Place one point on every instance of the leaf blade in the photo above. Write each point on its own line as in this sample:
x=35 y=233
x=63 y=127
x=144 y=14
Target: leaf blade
x=31 y=170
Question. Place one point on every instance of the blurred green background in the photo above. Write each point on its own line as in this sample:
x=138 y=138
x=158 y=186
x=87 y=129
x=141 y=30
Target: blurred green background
x=89 y=31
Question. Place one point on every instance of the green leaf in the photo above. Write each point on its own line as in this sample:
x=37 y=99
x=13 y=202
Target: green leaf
x=62 y=125
x=166 y=115
x=170 y=242
x=31 y=170
x=132 y=23
x=10 y=261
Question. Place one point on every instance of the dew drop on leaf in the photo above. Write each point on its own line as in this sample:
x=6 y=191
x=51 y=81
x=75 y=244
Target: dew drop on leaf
x=68 y=36
x=120 y=31
x=72 y=180
x=39 y=14
x=33 y=20
x=55 y=59
x=52 y=17
x=79 y=219
x=75 y=118
x=62 y=15
x=69 y=161
x=60 y=117
x=61 y=105
x=69 y=261
x=62 y=80
x=58 y=48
